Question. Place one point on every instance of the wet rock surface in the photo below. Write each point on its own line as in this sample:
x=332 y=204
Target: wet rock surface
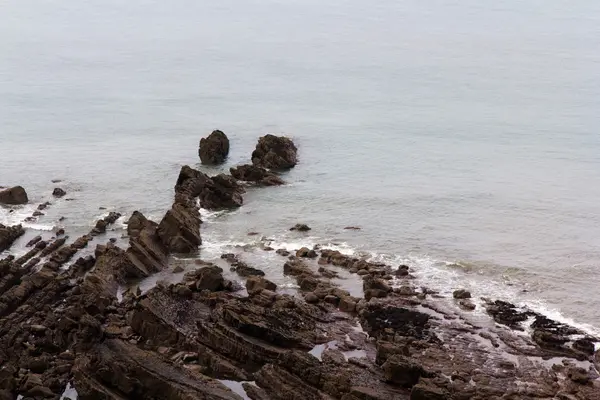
x=253 y=173
x=64 y=321
x=214 y=148
x=275 y=152
x=13 y=196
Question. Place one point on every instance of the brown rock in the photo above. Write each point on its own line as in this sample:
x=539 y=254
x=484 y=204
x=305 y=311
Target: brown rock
x=275 y=152
x=252 y=173
x=300 y=228
x=257 y=283
x=311 y=298
x=423 y=391
x=214 y=148
x=8 y=235
x=13 y=196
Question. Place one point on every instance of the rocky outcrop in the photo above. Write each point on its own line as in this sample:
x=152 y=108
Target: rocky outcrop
x=58 y=192
x=216 y=193
x=275 y=152
x=8 y=234
x=214 y=148
x=179 y=230
x=13 y=196
x=259 y=175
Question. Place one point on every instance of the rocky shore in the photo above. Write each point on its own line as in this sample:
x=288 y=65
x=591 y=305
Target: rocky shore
x=72 y=315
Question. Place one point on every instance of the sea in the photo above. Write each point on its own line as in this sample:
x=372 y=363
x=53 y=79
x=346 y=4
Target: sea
x=462 y=137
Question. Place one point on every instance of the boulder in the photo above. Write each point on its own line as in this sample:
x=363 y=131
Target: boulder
x=300 y=228
x=216 y=193
x=461 y=294
x=58 y=192
x=256 y=283
x=13 y=196
x=179 y=229
x=424 y=391
x=253 y=173
x=275 y=152
x=214 y=148
x=8 y=234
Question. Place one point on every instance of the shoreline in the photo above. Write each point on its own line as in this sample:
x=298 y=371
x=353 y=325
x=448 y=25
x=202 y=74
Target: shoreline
x=349 y=329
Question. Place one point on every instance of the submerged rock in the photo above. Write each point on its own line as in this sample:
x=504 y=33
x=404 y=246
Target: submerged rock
x=13 y=196
x=253 y=173
x=214 y=148
x=300 y=228
x=275 y=152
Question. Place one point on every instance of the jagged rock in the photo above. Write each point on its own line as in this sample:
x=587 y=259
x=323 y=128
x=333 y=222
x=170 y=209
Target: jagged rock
x=219 y=192
x=147 y=252
x=306 y=252
x=578 y=375
x=300 y=228
x=179 y=230
x=375 y=287
x=461 y=294
x=214 y=148
x=13 y=196
x=253 y=173
x=208 y=278
x=467 y=304
x=8 y=235
x=58 y=192
x=255 y=283
x=275 y=152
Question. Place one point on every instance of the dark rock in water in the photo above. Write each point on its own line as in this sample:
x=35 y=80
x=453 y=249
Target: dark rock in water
x=8 y=234
x=275 y=152
x=467 y=304
x=13 y=196
x=352 y=228
x=252 y=173
x=306 y=252
x=216 y=193
x=179 y=229
x=377 y=317
x=507 y=314
x=585 y=345
x=300 y=228
x=461 y=294
x=58 y=192
x=214 y=148
x=43 y=206
x=34 y=241
x=282 y=252
x=37 y=214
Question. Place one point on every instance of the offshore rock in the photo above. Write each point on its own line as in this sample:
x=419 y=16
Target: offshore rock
x=253 y=173
x=13 y=196
x=214 y=148
x=275 y=152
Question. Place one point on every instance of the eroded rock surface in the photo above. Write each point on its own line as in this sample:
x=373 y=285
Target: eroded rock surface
x=214 y=148
x=275 y=152
x=13 y=196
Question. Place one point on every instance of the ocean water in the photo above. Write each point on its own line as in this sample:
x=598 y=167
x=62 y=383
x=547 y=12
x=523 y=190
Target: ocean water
x=462 y=137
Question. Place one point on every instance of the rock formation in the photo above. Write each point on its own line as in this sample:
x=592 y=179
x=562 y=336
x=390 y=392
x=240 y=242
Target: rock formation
x=214 y=148
x=13 y=196
x=8 y=234
x=252 y=173
x=275 y=152
x=219 y=192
